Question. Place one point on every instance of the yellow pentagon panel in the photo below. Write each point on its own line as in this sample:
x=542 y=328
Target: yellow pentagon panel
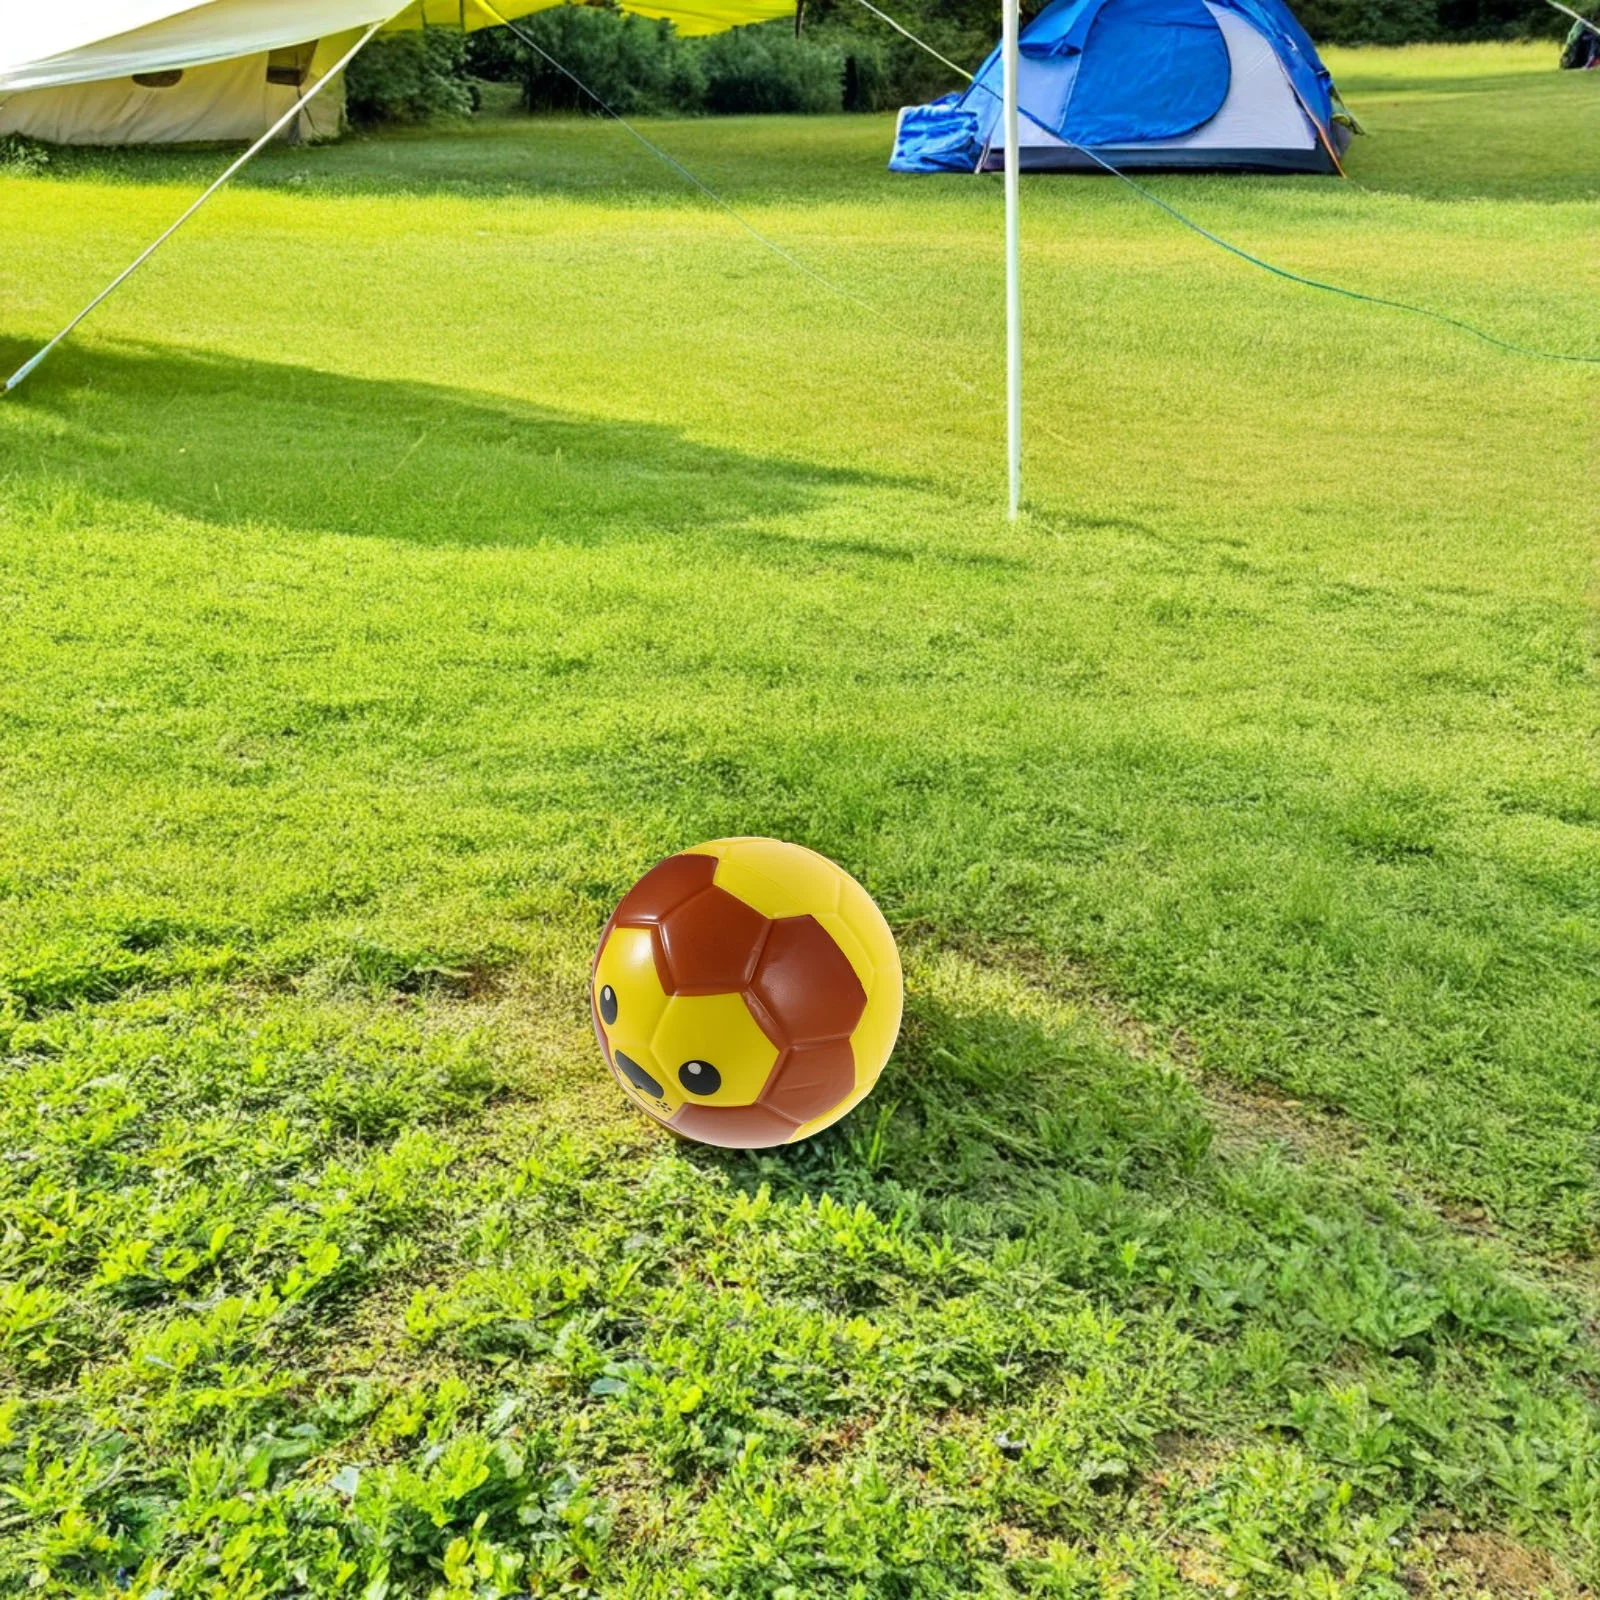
x=855 y=952
x=876 y=1032
x=865 y=920
x=777 y=879
x=628 y=966
x=711 y=1051
x=879 y=1026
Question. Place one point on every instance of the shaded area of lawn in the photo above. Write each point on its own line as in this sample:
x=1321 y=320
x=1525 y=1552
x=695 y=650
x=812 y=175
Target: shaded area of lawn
x=218 y=440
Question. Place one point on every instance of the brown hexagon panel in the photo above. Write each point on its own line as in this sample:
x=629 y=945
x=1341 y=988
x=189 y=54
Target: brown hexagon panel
x=666 y=885
x=811 y=1079
x=710 y=943
x=804 y=985
x=734 y=1127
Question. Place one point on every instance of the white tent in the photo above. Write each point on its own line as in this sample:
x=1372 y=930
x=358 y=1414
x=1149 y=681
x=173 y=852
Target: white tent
x=235 y=99
x=158 y=71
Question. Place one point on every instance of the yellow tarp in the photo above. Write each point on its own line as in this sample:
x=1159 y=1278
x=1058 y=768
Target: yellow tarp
x=691 y=17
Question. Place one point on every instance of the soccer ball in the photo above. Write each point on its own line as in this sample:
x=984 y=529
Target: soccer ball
x=746 y=992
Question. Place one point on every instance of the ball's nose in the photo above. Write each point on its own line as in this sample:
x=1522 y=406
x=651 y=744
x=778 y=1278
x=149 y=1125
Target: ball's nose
x=635 y=1074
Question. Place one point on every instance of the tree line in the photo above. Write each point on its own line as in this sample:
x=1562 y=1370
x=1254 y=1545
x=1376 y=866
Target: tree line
x=836 y=57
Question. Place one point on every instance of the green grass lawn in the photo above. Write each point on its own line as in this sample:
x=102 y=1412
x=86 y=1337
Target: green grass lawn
x=451 y=523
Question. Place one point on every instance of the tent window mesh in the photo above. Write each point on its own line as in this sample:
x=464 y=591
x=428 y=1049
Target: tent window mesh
x=288 y=67
x=156 y=80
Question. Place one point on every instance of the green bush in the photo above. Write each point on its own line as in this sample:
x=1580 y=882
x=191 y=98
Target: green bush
x=868 y=79
x=893 y=72
x=1413 y=21
x=1499 y=19
x=882 y=70
x=412 y=77
x=634 y=65
x=21 y=156
x=1370 y=21
x=844 y=59
x=767 y=69
x=637 y=66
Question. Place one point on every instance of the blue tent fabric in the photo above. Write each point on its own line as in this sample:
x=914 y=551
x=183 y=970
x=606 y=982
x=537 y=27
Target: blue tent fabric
x=1113 y=73
x=1312 y=81
x=1058 y=30
x=940 y=137
x=1183 y=73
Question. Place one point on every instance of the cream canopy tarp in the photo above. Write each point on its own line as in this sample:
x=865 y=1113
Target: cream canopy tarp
x=58 y=42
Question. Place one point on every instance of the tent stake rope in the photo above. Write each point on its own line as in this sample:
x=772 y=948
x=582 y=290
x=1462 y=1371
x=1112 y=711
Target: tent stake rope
x=1236 y=250
x=155 y=244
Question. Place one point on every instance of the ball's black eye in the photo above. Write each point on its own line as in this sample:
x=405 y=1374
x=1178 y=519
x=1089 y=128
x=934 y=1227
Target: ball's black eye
x=608 y=1005
x=699 y=1077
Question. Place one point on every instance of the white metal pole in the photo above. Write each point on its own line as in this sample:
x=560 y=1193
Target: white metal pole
x=1008 y=49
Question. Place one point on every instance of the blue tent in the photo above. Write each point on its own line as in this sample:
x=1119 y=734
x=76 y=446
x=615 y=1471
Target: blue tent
x=1217 y=85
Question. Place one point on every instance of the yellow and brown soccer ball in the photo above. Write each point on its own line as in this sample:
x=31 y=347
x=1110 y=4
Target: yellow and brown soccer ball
x=746 y=992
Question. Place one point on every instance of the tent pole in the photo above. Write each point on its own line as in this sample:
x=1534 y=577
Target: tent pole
x=1009 y=28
